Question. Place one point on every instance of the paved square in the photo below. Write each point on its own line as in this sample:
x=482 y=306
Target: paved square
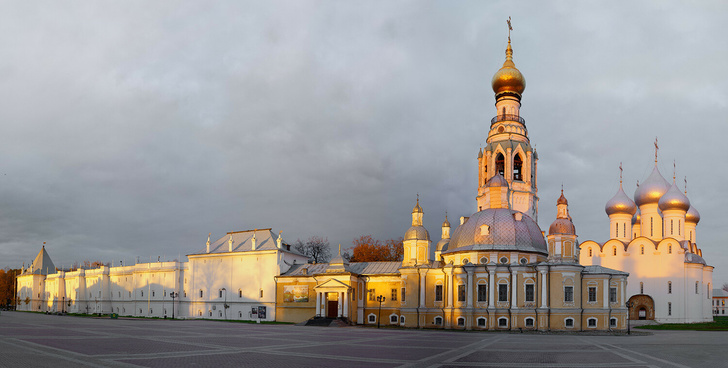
x=37 y=340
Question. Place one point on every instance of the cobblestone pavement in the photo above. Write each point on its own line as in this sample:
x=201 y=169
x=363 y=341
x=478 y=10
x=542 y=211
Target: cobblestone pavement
x=37 y=340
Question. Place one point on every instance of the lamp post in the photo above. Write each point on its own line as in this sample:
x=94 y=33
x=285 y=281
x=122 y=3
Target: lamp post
x=629 y=305
x=381 y=300
x=173 y=295
x=63 y=305
x=224 y=305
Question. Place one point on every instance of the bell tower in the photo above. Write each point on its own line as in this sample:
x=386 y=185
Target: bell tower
x=508 y=152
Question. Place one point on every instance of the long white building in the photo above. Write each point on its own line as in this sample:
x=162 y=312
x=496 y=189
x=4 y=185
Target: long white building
x=233 y=278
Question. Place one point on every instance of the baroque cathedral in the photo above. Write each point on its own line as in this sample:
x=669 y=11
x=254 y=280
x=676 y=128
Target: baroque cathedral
x=496 y=270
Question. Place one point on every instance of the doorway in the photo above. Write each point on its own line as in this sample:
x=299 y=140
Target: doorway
x=332 y=305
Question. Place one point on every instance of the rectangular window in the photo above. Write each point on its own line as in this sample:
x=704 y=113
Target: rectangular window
x=371 y=295
x=200 y=293
x=612 y=294
x=220 y=296
x=482 y=293
x=669 y=309
x=530 y=293
x=404 y=294
x=592 y=294
x=669 y=287
x=568 y=293
x=461 y=293
x=394 y=295
x=503 y=293
x=696 y=287
x=438 y=293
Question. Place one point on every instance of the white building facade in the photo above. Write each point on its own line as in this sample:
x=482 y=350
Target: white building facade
x=653 y=238
x=232 y=278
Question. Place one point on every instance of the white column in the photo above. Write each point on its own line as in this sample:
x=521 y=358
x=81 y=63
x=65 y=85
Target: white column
x=340 y=305
x=423 y=285
x=450 y=290
x=491 y=289
x=544 y=289
x=469 y=286
x=346 y=304
x=318 y=304
x=514 y=289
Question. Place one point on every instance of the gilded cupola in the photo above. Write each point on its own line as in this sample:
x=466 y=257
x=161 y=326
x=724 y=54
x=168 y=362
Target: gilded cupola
x=674 y=199
x=620 y=203
x=508 y=79
x=652 y=189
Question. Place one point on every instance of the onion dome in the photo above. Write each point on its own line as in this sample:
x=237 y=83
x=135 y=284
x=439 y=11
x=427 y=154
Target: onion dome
x=674 y=199
x=636 y=218
x=692 y=216
x=651 y=189
x=499 y=229
x=562 y=199
x=620 y=203
x=442 y=245
x=497 y=181
x=417 y=208
x=508 y=79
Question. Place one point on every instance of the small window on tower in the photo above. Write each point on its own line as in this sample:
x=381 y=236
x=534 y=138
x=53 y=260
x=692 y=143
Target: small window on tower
x=499 y=164
x=517 y=165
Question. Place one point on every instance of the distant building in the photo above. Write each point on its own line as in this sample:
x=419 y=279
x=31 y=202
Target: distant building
x=720 y=297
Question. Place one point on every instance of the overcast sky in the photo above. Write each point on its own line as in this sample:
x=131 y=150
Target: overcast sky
x=136 y=128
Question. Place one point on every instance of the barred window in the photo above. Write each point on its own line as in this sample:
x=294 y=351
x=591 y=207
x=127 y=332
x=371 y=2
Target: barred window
x=461 y=293
x=482 y=293
x=503 y=293
x=438 y=293
x=530 y=292
x=394 y=295
x=568 y=293
x=592 y=294
x=612 y=294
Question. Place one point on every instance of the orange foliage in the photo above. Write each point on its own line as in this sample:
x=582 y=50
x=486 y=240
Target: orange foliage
x=368 y=249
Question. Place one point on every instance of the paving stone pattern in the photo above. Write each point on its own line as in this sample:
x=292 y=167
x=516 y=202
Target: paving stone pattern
x=38 y=340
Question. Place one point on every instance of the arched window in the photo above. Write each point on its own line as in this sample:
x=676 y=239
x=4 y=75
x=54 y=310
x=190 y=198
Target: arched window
x=499 y=164
x=642 y=249
x=669 y=249
x=438 y=320
x=642 y=288
x=517 y=168
x=651 y=227
x=614 y=251
x=624 y=230
x=590 y=252
x=669 y=287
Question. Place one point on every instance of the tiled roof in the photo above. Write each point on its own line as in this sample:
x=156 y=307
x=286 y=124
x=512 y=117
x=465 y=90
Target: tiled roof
x=360 y=268
x=603 y=270
x=243 y=242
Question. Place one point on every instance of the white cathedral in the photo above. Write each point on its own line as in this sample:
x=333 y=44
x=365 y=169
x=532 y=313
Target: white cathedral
x=651 y=262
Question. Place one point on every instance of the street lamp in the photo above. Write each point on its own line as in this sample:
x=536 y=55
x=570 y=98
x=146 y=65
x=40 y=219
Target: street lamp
x=63 y=305
x=173 y=295
x=381 y=300
x=629 y=305
x=225 y=306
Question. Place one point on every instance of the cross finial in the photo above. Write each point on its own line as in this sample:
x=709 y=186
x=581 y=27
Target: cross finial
x=418 y=198
x=638 y=183
x=656 y=149
x=673 y=170
x=562 y=188
x=686 y=185
x=510 y=28
x=339 y=248
x=620 y=174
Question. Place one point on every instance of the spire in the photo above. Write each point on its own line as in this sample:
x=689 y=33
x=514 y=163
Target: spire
x=417 y=213
x=208 y=242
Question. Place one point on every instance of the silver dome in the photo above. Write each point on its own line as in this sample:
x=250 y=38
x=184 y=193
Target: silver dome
x=497 y=181
x=692 y=216
x=620 y=203
x=416 y=233
x=651 y=189
x=674 y=199
x=503 y=232
x=562 y=226
x=636 y=218
x=442 y=245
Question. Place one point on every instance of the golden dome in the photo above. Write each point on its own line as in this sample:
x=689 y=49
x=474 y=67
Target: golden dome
x=508 y=79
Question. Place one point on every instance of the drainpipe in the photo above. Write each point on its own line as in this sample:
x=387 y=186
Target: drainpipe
x=609 y=287
x=581 y=300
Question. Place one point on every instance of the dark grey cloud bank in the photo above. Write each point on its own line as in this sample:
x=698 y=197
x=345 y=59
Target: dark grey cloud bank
x=135 y=128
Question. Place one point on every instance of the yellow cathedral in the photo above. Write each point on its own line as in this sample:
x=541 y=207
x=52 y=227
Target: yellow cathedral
x=496 y=270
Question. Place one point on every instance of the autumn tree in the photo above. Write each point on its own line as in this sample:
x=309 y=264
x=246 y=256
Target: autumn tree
x=725 y=286
x=316 y=248
x=7 y=287
x=368 y=249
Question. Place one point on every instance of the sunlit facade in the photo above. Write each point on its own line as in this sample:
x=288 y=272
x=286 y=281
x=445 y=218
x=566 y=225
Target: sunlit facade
x=653 y=238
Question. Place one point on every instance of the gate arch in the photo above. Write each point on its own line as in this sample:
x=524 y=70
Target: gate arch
x=642 y=302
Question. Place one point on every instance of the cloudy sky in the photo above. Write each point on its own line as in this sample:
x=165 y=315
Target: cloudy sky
x=133 y=129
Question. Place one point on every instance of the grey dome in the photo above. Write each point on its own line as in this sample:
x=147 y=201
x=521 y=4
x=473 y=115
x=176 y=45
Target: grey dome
x=620 y=203
x=497 y=181
x=562 y=226
x=637 y=218
x=442 y=245
x=652 y=189
x=416 y=233
x=674 y=199
x=504 y=232
x=692 y=216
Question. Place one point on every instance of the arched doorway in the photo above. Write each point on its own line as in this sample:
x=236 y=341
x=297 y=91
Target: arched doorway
x=643 y=307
